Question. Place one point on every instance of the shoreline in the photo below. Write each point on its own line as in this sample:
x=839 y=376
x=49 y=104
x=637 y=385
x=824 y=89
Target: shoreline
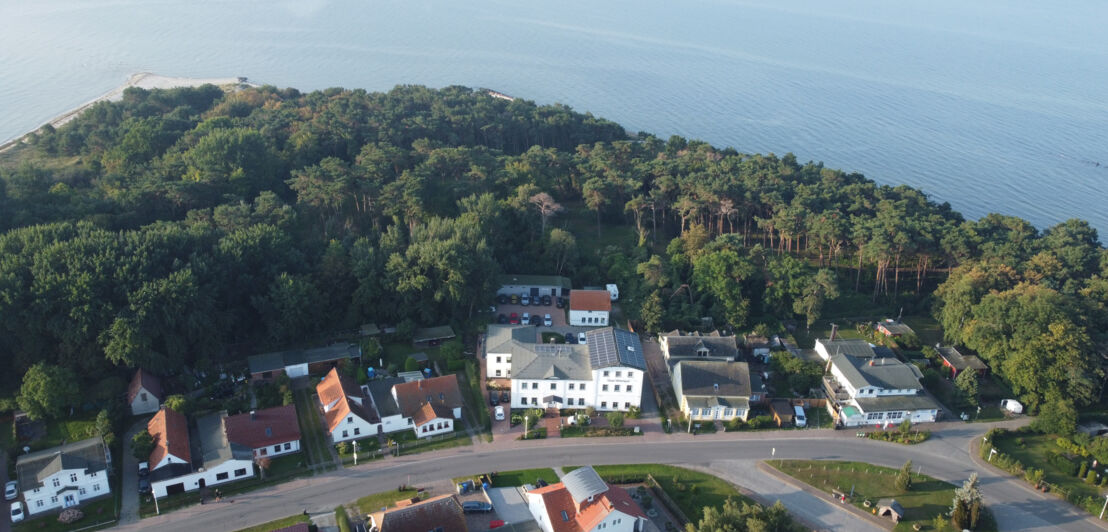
x=144 y=80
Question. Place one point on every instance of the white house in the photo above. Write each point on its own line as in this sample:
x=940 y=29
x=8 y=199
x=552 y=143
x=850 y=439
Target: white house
x=676 y=345
x=144 y=395
x=219 y=461
x=500 y=343
x=63 y=476
x=589 y=308
x=605 y=373
x=432 y=404
x=877 y=391
x=346 y=412
x=711 y=390
x=268 y=432
x=583 y=501
x=380 y=392
x=839 y=346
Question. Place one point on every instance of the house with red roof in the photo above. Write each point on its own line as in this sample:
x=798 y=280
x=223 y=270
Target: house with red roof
x=170 y=431
x=145 y=394
x=182 y=461
x=432 y=404
x=443 y=512
x=268 y=432
x=347 y=412
x=583 y=502
x=589 y=308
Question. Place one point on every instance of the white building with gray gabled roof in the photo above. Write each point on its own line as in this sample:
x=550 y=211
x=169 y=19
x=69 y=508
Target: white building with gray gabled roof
x=877 y=391
x=605 y=373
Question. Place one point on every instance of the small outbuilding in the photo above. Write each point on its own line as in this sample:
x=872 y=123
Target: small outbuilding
x=432 y=335
x=894 y=328
x=144 y=395
x=891 y=509
x=783 y=412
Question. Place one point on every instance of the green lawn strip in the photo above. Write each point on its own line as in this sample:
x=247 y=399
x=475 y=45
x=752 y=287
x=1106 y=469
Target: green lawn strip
x=553 y=338
x=927 y=498
x=574 y=431
x=310 y=429
x=476 y=397
x=408 y=447
x=519 y=477
x=1031 y=450
x=690 y=490
x=278 y=524
x=386 y=499
x=99 y=511
x=927 y=329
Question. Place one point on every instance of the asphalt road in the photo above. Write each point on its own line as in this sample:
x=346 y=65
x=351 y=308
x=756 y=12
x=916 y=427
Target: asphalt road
x=733 y=456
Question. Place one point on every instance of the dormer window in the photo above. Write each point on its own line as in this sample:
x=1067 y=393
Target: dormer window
x=702 y=352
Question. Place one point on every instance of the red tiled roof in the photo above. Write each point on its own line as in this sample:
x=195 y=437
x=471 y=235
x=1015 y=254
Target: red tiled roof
x=334 y=388
x=443 y=511
x=144 y=380
x=266 y=427
x=170 y=431
x=556 y=498
x=442 y=391
x=431 y=411
x=596 y=300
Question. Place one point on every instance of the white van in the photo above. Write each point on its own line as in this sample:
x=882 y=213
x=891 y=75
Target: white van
x=798 y=417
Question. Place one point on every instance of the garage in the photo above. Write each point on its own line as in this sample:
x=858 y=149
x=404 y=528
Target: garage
x=174 y=489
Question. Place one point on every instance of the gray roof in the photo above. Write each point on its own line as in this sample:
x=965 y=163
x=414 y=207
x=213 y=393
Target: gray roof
x=551 y=361
x=583 y=483
x=280 y=359
x=891 y=504
x=381 y=391
x=427 y=334
x=534 y=280
x=35 y=467
x=214 y=447
x=706 y=378
x=960 y=361
x=850 y=347
x=502 y=338
x=887 y=403
x=886 y=373
x=689 y=346
x=614 y=347
x=896 y=327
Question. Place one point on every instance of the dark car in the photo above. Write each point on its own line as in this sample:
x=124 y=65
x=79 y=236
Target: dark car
x=504 y=396
x=536 y=320
x=561 y=303
x=143 y=485
x=502 y=299
x=570 y=338
x=546 y=300
x=501 y=319
x=493 y=401
x=472 y=507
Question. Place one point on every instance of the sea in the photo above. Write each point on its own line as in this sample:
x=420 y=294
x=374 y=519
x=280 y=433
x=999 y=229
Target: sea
x=991 y=105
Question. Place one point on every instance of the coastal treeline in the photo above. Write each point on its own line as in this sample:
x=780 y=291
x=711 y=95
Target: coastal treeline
x=187 y=226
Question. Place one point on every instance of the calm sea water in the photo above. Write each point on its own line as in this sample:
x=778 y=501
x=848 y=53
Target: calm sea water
x=992 y=105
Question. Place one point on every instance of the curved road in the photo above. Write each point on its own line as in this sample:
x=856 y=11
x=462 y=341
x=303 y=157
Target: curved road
x=733 y=456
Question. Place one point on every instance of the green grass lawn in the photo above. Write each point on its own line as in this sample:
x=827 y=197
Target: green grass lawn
x=397 y=353
x=279 y=524
x=691 y=490
x=519 y=477
x=99 y=511
x=313 y=441
x=926 y=499
x=822 y=329
x=282 y=469
x=927 y=329
x=1031 y=448
x=386 y=499
x=553 y=338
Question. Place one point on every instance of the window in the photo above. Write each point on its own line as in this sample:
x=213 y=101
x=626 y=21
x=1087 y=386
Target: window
x=143 y=396
x=240 y=472
x=571 y=386
x=497 y=360
x=357 y=431
x=604 y=404
x=222 y=476
x=629 y=388
x=626 y=405
x=73 y=477
x=565 y=516
x=582 y=386
x=350 y=419
x=265 y=451
x=534 y=386
x=497 y=373
x=53 y=500
x=604 y=388
x=345 y=434
x=553 y=386
x=277 y=448
x=581 y=401
x=534 y=401
x=619 y=374
x=288 y=446
x=605 y=373
x=82 y=491
x=38 y=503
x=57 y=483
x=96 y=487
x=617 y=387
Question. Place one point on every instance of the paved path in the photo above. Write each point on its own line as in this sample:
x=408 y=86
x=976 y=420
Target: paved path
x=129 y=508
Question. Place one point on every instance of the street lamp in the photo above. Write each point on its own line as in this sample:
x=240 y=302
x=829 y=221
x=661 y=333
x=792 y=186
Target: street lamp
x=992 y=452
x=355 y=452
x=1101 y=510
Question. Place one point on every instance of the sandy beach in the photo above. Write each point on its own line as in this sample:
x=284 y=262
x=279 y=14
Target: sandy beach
x=144 y=80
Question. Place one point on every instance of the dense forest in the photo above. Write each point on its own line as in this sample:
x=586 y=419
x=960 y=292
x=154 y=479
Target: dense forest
x=187 y=227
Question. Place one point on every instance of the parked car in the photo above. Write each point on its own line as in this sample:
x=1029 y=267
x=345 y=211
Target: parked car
x=498 y=413
x=502 y=299
x=501 y=319
x=515 y=299
x=514 y=319
x=17 y=512
x=546 y=301
x=561 y=303
x=144 y=469
x=11 y=490
x=547 y=321
x=525 y=300
x=581 y=338
x=143 y=485
x=493 y=401
x=503 y=396
x=536 y=320
x=471 y=507
x=570 y=338
x=526 y=318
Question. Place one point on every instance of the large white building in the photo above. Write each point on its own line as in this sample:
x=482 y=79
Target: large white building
x=714 y=390
x=605 y=373
x=583 y=502
x=64 y=476
x=174 y=468
x=866 y=389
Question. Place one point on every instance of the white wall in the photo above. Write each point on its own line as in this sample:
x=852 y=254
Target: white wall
x=624 y=378
x=538 y=510
x=169 y=459
x=498 y=362
x=524 y=389
x=395 y=423
x=353 y=428
x=617 y=521
x=715 y=413
x=294 y=447
x=435 y=427
x=581 y=318
x=144 y=406
x=46 y=497
x=211 y=476
x=297 y=370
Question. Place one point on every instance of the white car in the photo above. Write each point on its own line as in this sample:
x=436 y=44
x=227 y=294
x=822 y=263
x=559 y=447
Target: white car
x=17 y=512
x=525 y=300
x=581 y=338
x=498 y=413
x=11 y=491
x=547 y=321
x=526 y=318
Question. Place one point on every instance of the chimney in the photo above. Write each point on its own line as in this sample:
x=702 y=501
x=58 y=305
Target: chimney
x=252 y=415
x=834 y=329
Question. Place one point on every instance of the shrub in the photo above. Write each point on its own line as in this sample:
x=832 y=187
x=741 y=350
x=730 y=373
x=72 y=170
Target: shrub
x=342 y=447
x=1091 y=477
x=634 y=412
x=411 y=364
x=1062 y=463
x=615 y=419
x=1081 y=469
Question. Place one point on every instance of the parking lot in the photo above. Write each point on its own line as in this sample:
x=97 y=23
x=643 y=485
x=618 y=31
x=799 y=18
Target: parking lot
x=508 y=506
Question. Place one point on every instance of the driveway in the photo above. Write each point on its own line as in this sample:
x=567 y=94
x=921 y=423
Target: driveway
x=129 y=508
x=5 y=521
